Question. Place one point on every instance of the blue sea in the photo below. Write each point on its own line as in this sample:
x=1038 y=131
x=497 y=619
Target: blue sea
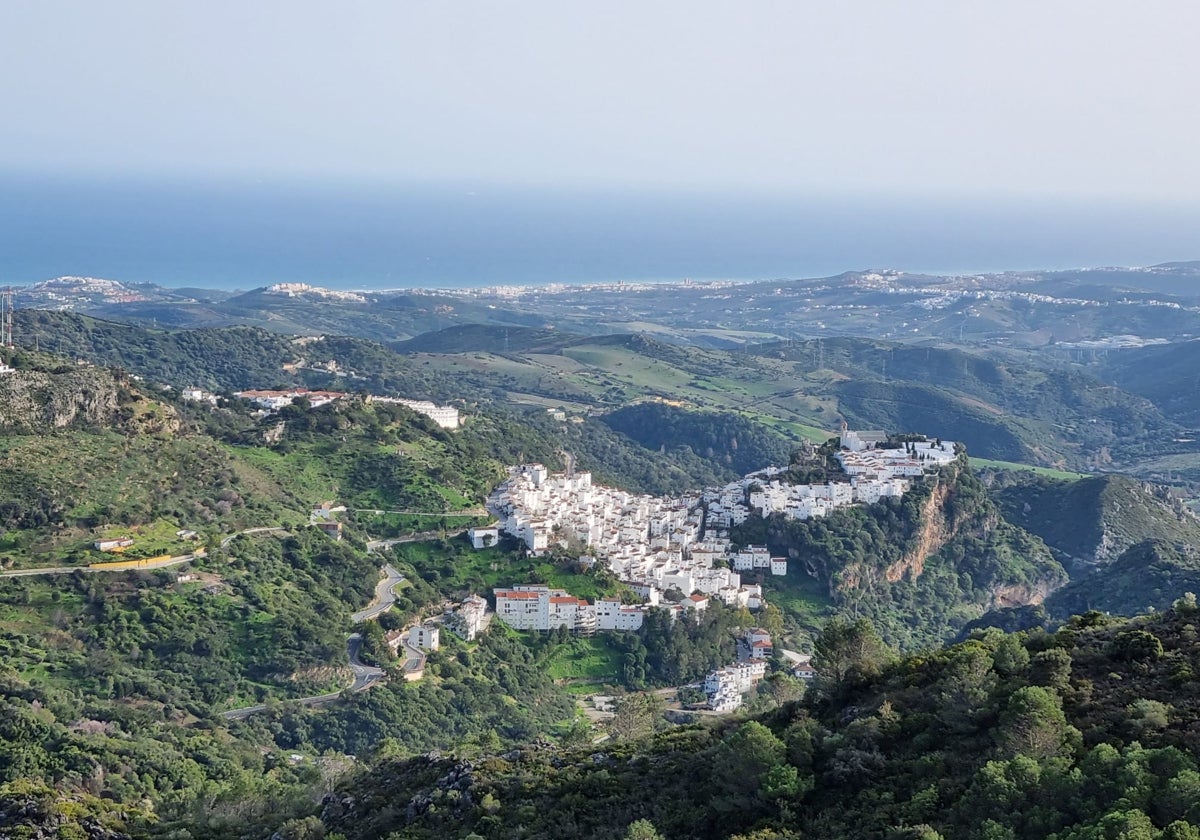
x=243 y=234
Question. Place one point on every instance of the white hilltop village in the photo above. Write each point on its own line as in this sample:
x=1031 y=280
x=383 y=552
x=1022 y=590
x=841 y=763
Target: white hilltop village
x=676 y=552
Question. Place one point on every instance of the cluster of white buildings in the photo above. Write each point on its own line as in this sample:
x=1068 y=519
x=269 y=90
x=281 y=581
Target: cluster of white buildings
x=725 y=686
x=662 y=545
x=445 y=416
x=538 y=607
x=862 y=456
x=652 y=544
x=305 y=290
x=199 y=395
x=275 y=400
x=875 y=473
x=541 y=509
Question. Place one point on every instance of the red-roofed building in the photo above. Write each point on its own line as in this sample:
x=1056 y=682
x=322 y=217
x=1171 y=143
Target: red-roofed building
x=761 y=650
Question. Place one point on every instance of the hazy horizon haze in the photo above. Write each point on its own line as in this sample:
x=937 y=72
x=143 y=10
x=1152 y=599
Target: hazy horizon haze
x=1061 y=100
x=405 y=143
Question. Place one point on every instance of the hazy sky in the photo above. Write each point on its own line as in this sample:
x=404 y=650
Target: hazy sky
x=1052 y=98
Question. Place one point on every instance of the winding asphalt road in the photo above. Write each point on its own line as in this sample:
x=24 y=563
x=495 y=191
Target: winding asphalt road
x=365 y=676
x=384 y=596
x=476 y=511
x=375 y=545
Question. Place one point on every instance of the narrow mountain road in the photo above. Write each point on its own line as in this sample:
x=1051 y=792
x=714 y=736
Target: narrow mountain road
x=365 y=676
x=66 y=570
x=384 y=596
x=476 y=511
x=149 y=566
x=376 y=545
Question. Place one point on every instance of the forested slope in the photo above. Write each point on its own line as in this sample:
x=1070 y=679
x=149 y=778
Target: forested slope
x=734 y=444
x=1093 y=520
x=1085 y=734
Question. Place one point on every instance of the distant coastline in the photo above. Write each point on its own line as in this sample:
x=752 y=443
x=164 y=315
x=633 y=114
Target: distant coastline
x=245 y=236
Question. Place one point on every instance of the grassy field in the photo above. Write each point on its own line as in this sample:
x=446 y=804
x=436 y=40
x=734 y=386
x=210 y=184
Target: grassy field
x=308 y=477
x=591 y=662
x=454 y=566
x=150 y=540
x=805 y=604
x=987 y=463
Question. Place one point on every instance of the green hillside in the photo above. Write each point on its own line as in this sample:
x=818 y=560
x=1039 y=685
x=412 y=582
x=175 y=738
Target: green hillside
x=487 y=338
x=226 y=358
x=1093 y=520
x=1146 y=576
x=733 y=442
x=1006 y=407
x=111 y=680
x=1087 y=733
x=942 y=414
x=1167 y=374
x=382 y=316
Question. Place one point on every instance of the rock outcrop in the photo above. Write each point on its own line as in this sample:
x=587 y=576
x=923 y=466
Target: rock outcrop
x=40 y=401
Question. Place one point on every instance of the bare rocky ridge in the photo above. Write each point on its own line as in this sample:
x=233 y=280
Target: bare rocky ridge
x=40 y=401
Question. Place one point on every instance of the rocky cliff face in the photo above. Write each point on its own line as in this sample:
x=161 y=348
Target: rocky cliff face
x=933 y=532
x=923 y=566
x=1006 y=596
x=41 y=401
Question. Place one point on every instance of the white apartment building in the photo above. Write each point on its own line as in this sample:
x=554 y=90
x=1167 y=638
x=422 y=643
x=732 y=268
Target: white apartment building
x=538 y=607
x=611 y=614
x=725 y=684
x=469 y=620
x=522 y=609
x=424 y=636
x=444 y=415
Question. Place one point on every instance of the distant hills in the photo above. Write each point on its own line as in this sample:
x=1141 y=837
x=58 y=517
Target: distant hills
x=1092 y=521
x=1014 y=309
x=1167 y=374
x=1147 y=576
x=1011 y=407
x=111 y=685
